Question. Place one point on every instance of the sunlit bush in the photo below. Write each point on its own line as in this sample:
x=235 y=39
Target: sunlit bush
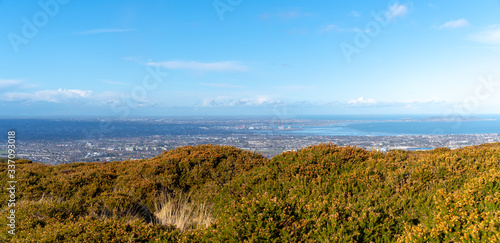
x=219 y=193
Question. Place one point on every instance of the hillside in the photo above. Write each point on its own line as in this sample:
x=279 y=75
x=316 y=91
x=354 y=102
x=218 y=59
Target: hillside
x=218 y=193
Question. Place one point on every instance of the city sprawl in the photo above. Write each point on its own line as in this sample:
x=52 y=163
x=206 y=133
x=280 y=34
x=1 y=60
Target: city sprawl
x=265 y=136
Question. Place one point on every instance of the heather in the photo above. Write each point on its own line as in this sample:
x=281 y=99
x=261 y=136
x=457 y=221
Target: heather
x=206 y=193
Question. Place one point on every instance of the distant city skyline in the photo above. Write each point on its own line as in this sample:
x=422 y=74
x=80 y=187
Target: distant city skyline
x=219 y=57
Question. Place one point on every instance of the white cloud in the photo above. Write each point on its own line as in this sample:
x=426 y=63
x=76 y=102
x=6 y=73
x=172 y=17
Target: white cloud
x=362 y=102
x=223 y=85
x=355 y=14
x=286 y=15
x=113 y=82
x=489 y=36
x=298 y=31
x=424 y=101
x=210 y=102
x=100 y=31
x=433 y=6
x=221 y=101
x=8 y=83
x=12 y=84
x=294 y=88
x=331 y=27
x=453 y=24
x=54 y=96
x=337 y=28
x=201 y=66
x=107 y=96
x=397 y=10
x=137 y=59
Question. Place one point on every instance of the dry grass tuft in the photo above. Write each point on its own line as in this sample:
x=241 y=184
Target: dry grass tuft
x=181 y=213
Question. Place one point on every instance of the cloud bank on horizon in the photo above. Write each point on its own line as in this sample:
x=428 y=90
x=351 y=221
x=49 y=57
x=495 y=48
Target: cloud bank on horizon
x=175 y=58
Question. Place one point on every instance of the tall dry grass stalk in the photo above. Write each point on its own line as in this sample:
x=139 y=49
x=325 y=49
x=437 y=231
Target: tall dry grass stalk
x=183 y=214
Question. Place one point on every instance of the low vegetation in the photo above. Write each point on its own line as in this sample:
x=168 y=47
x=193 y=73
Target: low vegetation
x=182 y=213
x=206 y=193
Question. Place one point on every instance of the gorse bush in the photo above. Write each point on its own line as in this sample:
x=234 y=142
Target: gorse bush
x=211 y=193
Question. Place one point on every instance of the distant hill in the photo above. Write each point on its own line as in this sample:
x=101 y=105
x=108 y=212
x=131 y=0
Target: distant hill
x=212 y=193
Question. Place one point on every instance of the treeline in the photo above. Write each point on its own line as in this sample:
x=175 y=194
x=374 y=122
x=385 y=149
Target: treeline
x=212 y=193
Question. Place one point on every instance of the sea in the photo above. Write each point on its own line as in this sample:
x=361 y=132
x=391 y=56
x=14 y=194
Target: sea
x=347 y=125
x=390 y=125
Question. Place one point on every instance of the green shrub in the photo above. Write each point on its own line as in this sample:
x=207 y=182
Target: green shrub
x=321 y=193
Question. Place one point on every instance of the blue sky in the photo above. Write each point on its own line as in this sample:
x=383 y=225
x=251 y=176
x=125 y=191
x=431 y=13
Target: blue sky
x=242 y=57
